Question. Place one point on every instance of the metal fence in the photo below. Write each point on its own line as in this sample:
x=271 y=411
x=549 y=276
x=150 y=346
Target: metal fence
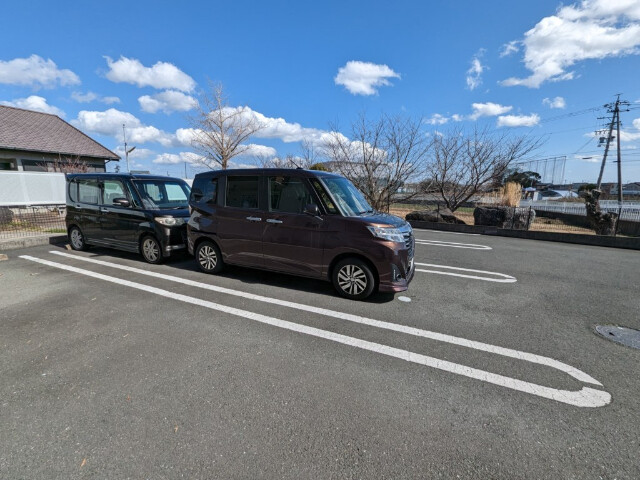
x=558 y=217
x=28 y=221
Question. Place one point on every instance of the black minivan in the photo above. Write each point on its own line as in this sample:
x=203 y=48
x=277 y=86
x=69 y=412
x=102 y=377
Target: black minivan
x=145 y=214
x=303 y=222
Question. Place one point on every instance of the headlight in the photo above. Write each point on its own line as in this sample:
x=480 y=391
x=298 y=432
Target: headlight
x=170 y=221
x=387 y=233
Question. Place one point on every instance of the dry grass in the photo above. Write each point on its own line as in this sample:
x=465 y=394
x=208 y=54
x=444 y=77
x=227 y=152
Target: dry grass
x=509 y=195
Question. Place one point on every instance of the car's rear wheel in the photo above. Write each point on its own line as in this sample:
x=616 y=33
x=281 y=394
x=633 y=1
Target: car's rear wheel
x=353 y=279
x=209 y=257
x=76 y=239
x=151 y=250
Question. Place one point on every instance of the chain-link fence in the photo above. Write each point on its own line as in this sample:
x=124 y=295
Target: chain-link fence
x=21 y=221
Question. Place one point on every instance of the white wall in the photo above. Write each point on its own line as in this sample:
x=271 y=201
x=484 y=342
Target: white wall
x=32 y=188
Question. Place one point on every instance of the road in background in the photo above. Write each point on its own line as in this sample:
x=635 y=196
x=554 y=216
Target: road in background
x=139 y=375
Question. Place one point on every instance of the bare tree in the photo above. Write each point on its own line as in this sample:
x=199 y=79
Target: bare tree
x=66 y=164
x=289 y=161
x=220 y=131
x=461 y=164
x=380 y=156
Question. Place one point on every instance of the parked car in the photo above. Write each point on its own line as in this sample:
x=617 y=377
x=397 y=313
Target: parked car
x=308 y=223
x=145 y=214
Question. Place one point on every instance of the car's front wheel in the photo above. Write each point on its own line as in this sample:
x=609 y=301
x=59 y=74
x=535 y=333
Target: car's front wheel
x=76 y=239
x=353 y=279
x=151 y=250
x=209 y=257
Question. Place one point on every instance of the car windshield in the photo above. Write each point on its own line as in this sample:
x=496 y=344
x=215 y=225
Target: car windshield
x=160 y=194
x=350 y=200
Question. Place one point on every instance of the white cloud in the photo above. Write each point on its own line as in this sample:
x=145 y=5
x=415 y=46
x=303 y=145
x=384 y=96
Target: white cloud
x=138 y=153
x=277 y=128
x=474 y=74
x=488 y=109
x=35 y=71
x=173 y=159
x=110 y=123
x=167 y=101
x=518 y=120
x=557 y=102
x=363 y=78
x=587 y=159
x=509 y=48
x=93 y=97
x=592 y=29
x=35 y=102
x=261 y=151
x=437 y=119
x=161 y=75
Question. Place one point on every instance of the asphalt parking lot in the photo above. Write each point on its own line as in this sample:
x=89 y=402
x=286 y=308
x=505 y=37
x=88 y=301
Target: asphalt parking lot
x=487 y=367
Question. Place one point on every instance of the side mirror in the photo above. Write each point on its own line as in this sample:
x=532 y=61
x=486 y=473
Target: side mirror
x=311 y=209
x=121 y=202
x=196 y=195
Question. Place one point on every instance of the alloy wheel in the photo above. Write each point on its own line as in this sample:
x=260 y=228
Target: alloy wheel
x=150 y=249
x=207 y=257
x=352 y=279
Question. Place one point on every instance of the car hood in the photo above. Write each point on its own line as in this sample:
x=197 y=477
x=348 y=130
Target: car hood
x=379 y=218
x=172 y=212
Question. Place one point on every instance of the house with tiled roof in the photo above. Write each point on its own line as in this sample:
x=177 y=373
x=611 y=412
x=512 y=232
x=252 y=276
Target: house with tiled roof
x=35 y=141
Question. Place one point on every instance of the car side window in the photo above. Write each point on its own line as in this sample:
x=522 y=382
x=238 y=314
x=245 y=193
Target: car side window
x=205 y=191
x=111 y=190
x=88 y=191
x=242 y=192
x=288 y=194
x=322 y=193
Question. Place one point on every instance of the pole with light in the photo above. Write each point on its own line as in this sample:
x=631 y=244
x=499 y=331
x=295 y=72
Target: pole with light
x=126 y=152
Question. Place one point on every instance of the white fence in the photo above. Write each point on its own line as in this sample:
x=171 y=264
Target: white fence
x=628 y=211
x=32 y=188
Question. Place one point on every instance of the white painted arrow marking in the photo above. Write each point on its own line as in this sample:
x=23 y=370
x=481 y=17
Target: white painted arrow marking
x=503 y=277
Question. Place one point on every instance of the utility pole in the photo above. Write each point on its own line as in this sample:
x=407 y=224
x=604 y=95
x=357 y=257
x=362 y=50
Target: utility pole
x=126 y=152
x=613 y=108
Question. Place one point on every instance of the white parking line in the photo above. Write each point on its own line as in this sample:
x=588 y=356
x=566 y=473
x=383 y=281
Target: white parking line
x=504 y=277
x=440 y=243
x=451 y=233
x=507 y=352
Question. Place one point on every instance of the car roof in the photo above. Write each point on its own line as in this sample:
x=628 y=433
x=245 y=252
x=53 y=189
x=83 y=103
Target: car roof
x=271 y=171
x=135 y=176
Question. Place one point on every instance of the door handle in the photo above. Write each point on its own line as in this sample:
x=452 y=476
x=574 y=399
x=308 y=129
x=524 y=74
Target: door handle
x=273 y=220
x=254 y=219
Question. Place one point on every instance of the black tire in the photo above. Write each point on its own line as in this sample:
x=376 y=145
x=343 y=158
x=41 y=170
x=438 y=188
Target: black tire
x=76 y=239
x=151 y=250
x=353 y=278
x=208 y=257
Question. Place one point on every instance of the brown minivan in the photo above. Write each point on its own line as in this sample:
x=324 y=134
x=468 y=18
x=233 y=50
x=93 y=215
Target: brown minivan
x=302 y=222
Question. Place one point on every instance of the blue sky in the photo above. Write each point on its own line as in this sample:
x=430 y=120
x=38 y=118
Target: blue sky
x=534 y=68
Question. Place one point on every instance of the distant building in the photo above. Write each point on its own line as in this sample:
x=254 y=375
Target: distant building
x=35 y=141
x=630 y=189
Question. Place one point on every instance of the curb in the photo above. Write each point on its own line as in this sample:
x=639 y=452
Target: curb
x=15 y=243
x=576 y=238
